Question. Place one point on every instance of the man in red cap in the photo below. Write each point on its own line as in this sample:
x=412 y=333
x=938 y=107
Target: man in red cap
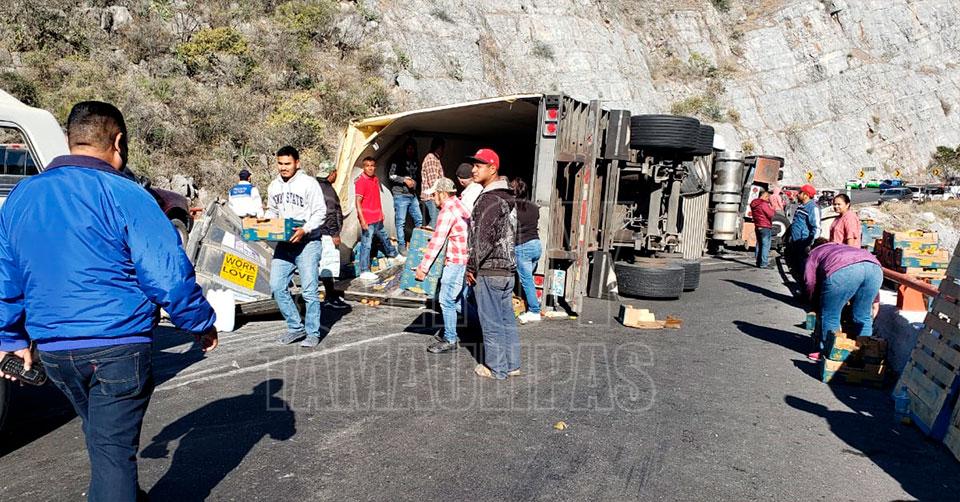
x=492 y=265
x=804 y=229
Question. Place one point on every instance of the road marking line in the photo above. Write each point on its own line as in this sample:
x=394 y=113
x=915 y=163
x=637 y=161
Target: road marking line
x=182 y=380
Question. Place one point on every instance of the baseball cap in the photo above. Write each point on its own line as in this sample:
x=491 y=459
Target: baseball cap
x=441 y=185
x=244 y=174
x=486 y=156
x=326 y=167
x=809 y=190
x=465 y=171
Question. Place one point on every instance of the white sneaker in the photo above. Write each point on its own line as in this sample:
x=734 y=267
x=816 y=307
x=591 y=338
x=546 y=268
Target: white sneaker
x=368 y=277
x=529 y=317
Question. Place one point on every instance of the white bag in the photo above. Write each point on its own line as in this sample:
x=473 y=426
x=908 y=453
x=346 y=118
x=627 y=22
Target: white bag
x=224 y=305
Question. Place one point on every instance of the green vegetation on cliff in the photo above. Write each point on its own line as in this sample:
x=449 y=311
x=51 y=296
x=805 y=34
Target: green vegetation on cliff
x=207 y=86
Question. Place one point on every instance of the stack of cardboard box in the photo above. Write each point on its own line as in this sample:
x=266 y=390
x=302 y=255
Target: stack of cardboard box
x=915 y=253
x=859 y=361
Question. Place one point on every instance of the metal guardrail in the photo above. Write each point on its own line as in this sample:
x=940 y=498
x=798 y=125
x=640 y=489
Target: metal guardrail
x=910 y=282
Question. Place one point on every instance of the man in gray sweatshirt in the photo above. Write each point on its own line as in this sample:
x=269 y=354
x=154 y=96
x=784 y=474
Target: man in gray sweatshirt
x=297 y=195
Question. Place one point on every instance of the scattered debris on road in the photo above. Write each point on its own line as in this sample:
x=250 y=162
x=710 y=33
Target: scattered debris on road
x=633 y=317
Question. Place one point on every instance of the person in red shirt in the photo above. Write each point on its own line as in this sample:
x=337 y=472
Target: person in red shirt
x=762 y=213
x=370 y=214
x=846 y=229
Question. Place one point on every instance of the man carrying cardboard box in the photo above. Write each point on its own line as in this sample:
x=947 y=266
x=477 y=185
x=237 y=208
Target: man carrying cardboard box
x=297 y=195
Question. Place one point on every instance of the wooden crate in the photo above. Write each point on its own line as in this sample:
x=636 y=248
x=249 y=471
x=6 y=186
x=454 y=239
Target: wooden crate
x=932 y=376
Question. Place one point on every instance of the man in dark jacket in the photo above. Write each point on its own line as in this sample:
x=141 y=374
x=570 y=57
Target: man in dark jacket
x=491 y=267
x=330 y=235
x=404 y=171
x=87 y=259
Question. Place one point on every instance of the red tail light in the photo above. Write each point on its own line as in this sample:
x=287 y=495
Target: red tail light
x=550 y=119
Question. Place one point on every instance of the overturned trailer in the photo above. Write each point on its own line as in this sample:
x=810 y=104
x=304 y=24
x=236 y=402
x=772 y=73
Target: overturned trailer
x=624 y=201
x=620 y=197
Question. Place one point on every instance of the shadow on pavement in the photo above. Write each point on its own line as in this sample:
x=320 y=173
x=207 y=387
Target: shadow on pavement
x=773 y=295
x=787 y=339
x=924 y=469
x=430 y=323
x=38 y=411
x=215 y=438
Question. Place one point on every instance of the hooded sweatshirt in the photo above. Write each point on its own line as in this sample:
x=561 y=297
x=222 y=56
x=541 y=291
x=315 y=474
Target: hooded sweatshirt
x=299 y=198
x=493 y=232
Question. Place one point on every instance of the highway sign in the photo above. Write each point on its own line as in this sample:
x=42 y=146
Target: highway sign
x=809 y=175
x=897 y=173
x=861 y=174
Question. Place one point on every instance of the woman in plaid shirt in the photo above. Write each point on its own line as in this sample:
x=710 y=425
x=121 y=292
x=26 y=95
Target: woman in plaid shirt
x=451 y=230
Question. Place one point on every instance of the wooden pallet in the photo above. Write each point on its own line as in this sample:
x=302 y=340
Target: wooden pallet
x=932 y=375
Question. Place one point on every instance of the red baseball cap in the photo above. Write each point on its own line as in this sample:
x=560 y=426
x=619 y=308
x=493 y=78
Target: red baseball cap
x=809 y=190
x=486 y=156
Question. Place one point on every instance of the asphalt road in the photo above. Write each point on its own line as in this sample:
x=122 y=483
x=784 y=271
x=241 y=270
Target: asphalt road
x=726 y=408
x=865 y=196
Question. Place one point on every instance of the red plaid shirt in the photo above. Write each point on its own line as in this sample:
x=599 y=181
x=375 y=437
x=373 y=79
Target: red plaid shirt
x=430 y=171
x=451 y=228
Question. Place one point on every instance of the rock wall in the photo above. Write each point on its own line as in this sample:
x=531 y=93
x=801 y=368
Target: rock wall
x=832 y=85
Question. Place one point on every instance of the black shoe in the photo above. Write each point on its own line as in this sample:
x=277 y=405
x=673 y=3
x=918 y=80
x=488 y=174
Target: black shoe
x=442 y=347
x=337 y=303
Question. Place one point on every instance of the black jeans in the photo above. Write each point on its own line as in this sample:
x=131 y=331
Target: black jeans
x=110 y=388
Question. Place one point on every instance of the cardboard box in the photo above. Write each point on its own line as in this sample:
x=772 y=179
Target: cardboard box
x=634 y=317
x=917 y=258
x=417 y=248
x=841 y=348
x=270 y=229
x=873 y=349
x=913 y=239
x=871 y=375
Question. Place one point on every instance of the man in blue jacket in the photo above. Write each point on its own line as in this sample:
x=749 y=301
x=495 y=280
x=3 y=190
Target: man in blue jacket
x=87 y=258
x=803 y=230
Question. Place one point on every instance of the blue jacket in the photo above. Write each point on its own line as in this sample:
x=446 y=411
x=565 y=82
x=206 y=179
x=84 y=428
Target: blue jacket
x=806 y=224
x=86 y=257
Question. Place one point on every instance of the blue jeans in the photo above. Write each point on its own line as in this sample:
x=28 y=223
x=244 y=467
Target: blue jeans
x=859 y=283
x=764 y=236
x=110 y=389
x=366 y=244
x=304 y=258
x=451 y=298
x=432 y=212
x=501 y=342
x=402 y=204
x=528 y=256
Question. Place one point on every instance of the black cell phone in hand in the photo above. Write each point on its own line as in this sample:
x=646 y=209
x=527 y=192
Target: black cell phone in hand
x=13 y=365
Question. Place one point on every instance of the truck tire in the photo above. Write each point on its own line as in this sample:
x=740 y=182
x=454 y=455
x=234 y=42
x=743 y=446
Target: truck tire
x=691 y=274
x=646 y=279
x=781 y=224
x=664 y=132
x=704 y=140
x=691 y=268
x=181 y=229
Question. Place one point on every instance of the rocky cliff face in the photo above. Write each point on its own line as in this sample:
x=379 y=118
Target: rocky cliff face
x=832 y=85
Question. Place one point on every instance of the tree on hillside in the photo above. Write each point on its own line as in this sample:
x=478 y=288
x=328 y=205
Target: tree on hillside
x=947 y=161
